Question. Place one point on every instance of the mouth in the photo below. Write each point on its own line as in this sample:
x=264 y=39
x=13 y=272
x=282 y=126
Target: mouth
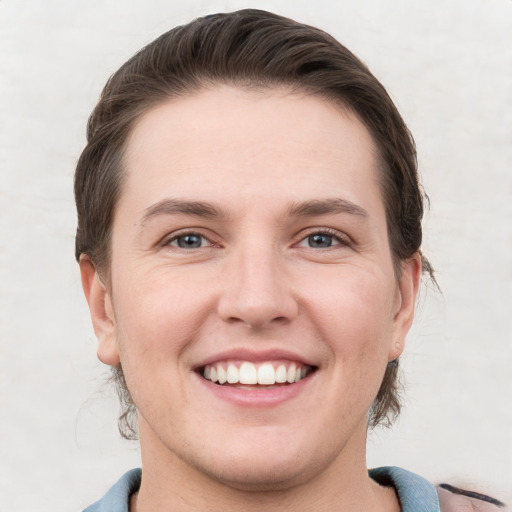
x=247 y=374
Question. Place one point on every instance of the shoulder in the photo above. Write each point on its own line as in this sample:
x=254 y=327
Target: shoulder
x=455 y=499
x=117 y=498
x=416 y=494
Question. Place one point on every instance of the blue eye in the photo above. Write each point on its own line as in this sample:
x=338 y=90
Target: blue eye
x=320 y=240
x=325 y=238
x=188 y=241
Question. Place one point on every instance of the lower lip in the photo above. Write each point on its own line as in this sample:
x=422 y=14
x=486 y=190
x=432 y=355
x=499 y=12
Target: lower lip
x=257 y=397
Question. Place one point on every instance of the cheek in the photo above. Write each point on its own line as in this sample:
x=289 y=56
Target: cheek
x=155 y=326
x=354 y=313
x=159 y=317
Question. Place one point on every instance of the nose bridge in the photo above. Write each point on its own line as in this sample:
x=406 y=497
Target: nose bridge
x=256 y=291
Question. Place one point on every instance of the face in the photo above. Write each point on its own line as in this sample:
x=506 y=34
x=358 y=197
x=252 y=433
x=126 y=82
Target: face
x=252 y=301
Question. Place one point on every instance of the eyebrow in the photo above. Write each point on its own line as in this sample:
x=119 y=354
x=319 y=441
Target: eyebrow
x=180 y=206
x=332 y=206
x=311 y=208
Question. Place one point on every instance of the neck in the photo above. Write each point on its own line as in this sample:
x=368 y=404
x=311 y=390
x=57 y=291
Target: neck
x=170 y=483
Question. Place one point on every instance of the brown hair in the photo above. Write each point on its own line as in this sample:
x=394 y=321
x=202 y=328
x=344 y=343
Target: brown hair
x=248 y=48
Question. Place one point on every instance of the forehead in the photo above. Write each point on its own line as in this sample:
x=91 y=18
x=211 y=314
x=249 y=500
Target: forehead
x=268 y=142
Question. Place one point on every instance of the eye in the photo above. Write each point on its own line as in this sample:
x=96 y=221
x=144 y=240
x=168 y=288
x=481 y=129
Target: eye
x=189 y=241
x=322 y=240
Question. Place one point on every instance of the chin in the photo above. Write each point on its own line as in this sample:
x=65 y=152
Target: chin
x=259 y=475
x=266 y=466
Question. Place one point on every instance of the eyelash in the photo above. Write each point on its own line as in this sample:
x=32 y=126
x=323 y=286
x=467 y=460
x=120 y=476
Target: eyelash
x=168 y=242
x=340 y=239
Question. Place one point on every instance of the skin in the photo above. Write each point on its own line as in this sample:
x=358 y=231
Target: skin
x=256 y=285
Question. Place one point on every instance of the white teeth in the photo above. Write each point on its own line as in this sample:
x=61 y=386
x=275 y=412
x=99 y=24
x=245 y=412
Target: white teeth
x=281 y=374
x=264 y=374
x=221 y=375
x=290 y=374
x=248 y=373
x=232 y=374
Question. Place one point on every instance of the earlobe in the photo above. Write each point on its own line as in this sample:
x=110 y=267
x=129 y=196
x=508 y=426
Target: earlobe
x=408 y=290
x=101 y=310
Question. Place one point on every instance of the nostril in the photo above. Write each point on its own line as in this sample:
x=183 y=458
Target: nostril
x=255 y=322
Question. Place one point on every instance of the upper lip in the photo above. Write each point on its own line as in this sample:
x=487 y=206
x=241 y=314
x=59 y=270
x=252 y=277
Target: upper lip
x=254 y=356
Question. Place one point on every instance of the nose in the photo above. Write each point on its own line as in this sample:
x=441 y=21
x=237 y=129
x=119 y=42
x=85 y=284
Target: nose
x=257 y=291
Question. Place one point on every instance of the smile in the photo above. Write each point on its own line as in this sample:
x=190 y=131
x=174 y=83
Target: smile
x=266 y=373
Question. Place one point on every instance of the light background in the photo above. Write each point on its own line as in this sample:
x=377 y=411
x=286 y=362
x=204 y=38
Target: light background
x=447 y=64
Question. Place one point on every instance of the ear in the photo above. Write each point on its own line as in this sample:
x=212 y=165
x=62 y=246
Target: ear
x=102 y=312
x=406 y=304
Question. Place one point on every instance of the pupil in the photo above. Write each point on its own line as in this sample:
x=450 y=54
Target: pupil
x=320 y=240
x=189 y=241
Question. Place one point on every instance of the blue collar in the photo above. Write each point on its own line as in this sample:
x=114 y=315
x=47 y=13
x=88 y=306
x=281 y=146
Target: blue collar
x=414 y=492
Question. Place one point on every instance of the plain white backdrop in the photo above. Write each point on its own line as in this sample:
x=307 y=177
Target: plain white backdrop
x=447 y=65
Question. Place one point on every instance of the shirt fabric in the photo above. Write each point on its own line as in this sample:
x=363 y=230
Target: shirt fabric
x=414 y=492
